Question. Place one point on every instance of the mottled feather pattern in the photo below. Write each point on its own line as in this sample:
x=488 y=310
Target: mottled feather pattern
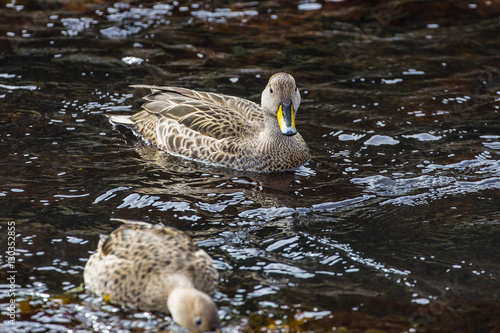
x=220 y=129
x=138 y=258
x=210 y=114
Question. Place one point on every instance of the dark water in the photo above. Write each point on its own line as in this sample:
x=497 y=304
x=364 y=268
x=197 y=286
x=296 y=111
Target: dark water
x=393 y=226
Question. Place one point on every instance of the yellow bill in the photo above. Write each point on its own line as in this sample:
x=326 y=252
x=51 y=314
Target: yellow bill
x=286 y=119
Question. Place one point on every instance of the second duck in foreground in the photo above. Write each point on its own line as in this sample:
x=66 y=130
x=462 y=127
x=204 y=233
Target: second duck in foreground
x=155 y=268
x=225 y=130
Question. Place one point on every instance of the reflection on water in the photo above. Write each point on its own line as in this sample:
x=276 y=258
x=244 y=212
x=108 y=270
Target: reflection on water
x=392 y=226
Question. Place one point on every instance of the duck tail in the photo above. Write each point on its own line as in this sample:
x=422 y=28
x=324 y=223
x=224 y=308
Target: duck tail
x=121 y=119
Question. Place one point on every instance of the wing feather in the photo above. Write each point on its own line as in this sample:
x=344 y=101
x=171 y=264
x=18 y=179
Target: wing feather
x=215 y=115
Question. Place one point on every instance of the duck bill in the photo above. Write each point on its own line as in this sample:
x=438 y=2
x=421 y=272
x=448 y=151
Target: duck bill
x=286 y=119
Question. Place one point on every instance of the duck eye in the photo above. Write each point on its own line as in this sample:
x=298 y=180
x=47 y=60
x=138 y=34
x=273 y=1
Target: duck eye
x=198 y=321
x=271 y=90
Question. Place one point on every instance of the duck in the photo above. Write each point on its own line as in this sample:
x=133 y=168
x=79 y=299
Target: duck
x=224 y=130
x=155 y=268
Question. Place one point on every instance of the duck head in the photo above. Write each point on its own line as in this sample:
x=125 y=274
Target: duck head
x=193 y=309
x=281 y=99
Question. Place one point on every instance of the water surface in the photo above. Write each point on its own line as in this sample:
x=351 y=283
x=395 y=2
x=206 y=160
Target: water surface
x=392 y=226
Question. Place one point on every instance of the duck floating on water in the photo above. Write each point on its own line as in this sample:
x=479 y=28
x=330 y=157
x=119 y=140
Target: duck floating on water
x=155 y=268
x=225 y=130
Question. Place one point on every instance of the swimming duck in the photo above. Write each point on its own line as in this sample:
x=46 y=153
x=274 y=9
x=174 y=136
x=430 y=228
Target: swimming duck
x=225 y=130
x=155 y=268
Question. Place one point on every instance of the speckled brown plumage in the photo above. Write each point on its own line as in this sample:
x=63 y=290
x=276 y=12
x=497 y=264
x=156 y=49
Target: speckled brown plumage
x=223 y=130
x=140 y=265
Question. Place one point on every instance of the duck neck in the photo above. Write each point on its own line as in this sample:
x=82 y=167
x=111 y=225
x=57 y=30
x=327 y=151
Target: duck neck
x=272 y=127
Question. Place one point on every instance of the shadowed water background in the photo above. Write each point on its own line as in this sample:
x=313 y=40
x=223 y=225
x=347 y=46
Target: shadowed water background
x=392 y=226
